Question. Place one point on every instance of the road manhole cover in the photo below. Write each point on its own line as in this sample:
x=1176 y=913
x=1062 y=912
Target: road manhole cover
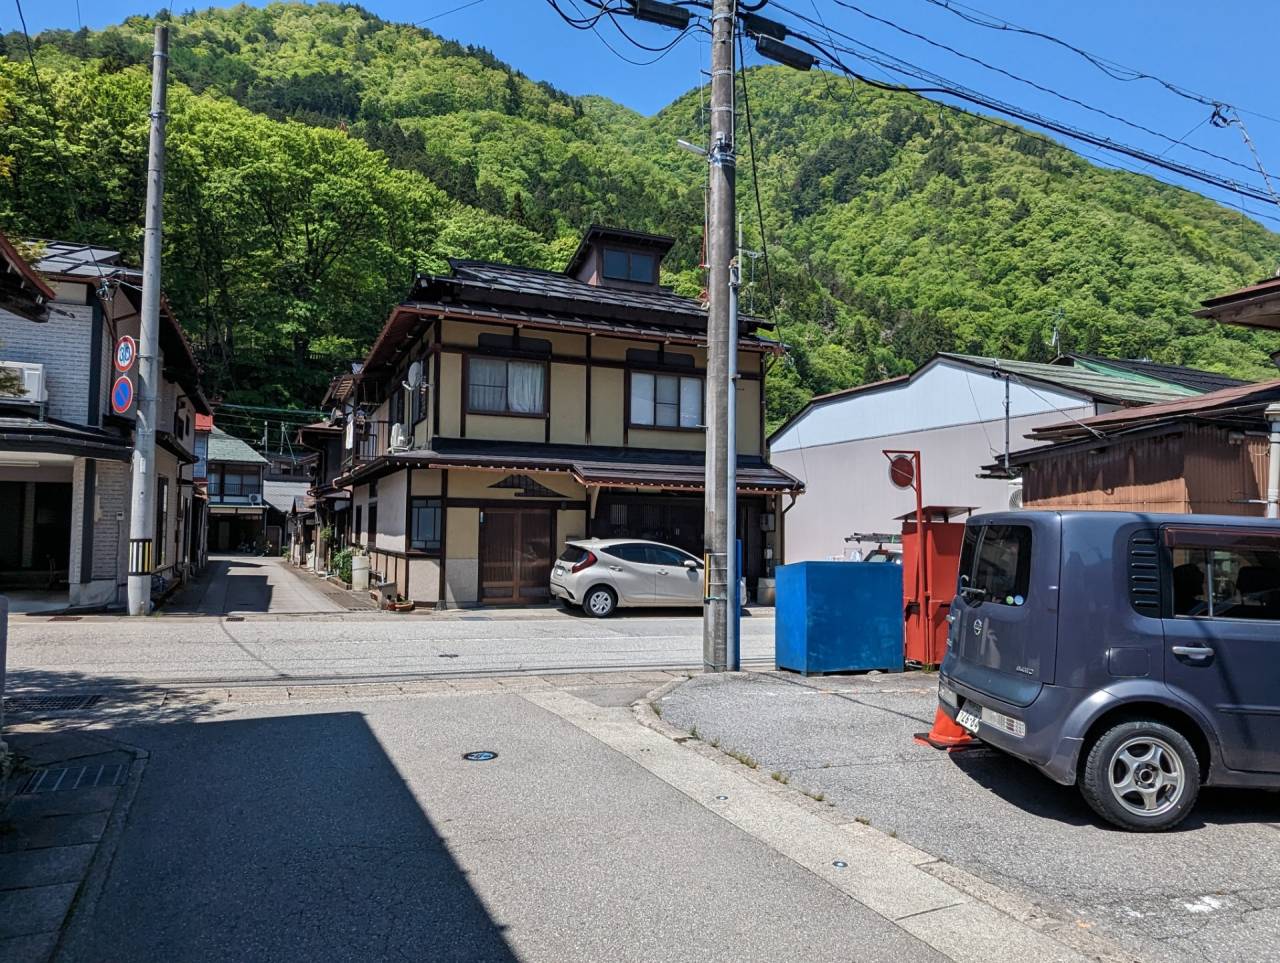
x=481 y=755
x=74 y=777
x=49 y=703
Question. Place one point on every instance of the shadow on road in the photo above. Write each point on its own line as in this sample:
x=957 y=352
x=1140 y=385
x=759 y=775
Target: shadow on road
x=284 y=839
x=116 y=699
x=1021 y=785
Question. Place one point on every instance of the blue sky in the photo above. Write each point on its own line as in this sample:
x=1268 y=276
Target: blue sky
x=1224 y=55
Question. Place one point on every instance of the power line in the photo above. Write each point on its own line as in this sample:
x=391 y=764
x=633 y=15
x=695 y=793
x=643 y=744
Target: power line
x=755 y=181
x=53 y=137
x=1113 y=69
x=1040 y=87
x=445 y=13
x=941 y=85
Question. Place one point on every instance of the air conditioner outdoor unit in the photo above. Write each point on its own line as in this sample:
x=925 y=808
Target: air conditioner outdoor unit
x=255 y=499
x=1015 y=494
x=399 y=438
x=31 y=376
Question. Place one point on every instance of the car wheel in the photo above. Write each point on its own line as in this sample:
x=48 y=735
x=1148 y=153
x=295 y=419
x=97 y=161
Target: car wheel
x=1142 y=776
x=600 y=602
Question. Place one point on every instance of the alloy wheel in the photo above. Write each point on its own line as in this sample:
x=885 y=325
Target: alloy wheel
x=1147 y=776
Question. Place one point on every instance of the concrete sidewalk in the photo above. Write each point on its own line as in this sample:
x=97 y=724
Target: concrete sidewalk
x=54 y=814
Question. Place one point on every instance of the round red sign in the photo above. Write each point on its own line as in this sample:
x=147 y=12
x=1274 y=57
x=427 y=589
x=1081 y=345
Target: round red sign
x=121 y=395
x=902 y=471
x=126 y=352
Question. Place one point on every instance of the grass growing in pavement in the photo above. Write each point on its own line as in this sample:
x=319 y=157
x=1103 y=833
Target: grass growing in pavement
x=780 y=777
x=743 y=758
x=862 y=819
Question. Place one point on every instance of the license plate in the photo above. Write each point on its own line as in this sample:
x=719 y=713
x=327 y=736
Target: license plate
x=559 y=570
x=968 y=720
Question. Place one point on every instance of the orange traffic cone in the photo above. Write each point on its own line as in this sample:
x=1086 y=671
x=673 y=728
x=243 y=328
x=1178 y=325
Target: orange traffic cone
x=945 y=734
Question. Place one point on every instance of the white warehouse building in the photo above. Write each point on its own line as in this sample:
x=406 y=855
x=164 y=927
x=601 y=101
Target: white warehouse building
x=951 y=410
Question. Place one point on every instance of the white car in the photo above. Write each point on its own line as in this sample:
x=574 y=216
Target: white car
x=601 y=574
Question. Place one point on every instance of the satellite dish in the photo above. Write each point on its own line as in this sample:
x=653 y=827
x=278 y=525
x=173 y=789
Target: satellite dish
x=415 y=376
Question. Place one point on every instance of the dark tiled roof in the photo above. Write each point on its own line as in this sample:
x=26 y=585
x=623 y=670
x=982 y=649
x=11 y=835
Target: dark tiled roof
x=1244 y=397
x=590 y=464
x=34 y=436
x=477 y=280
x=1194 y=378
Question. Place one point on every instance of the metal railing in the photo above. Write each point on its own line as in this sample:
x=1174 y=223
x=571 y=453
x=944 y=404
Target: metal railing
x=371 y=440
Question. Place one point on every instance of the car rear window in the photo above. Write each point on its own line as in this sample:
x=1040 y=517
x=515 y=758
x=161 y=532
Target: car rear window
x=995 y=564
x=573 y=554
x=628 y=552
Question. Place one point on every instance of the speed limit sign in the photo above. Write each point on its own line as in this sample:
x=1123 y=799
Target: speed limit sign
x=126 y=353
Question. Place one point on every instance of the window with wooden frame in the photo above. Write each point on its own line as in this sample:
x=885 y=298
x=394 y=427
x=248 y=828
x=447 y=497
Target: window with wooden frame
x=637 y=266
x=424 y=524
x=666 y=401
x=503 y=386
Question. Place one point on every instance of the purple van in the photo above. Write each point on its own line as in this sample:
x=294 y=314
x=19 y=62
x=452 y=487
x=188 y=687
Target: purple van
x=1137 y=656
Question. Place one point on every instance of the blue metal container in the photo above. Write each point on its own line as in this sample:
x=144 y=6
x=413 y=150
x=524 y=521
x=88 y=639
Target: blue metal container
x=839 y=617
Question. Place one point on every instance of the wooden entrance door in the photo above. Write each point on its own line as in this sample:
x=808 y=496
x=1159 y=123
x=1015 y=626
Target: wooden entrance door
x=515 y=555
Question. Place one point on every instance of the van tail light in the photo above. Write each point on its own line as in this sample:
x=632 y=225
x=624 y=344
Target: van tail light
x=585 y=563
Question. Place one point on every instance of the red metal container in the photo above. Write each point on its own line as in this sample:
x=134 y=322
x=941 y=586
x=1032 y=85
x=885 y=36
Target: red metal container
x=925 y=631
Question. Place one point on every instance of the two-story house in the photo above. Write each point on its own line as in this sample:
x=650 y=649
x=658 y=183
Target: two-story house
x=321 y=520
x=504 y=409
x=66 y=437
x=234 y=483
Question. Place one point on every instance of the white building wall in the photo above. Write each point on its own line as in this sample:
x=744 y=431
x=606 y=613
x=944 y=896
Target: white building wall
x=944 y=394
x=847 y=487
x=391 y=509
x=952 y=414
x=62 y=345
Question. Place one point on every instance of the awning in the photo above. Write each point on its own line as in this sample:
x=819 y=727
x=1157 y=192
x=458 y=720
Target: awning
x=33 y=436
x=591 y=466
x=247 y=510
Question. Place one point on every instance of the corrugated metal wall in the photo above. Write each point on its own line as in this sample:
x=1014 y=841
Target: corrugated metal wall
x=1201 y=468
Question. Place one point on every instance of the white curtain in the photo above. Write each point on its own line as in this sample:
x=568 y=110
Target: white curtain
x=488 y=385
x=525 y=386
x=690 y=402
x=642 y=399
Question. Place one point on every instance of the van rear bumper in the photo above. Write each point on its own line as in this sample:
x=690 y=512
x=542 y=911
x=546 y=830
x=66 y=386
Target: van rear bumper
x=1046 y=745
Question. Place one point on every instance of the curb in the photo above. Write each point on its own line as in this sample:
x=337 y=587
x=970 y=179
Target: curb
x=1014 y=912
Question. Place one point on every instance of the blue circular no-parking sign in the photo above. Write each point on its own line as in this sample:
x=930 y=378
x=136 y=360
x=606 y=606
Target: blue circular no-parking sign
x=121 y=395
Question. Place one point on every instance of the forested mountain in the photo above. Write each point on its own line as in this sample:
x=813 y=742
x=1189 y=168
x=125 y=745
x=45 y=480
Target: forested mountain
x=318 y=156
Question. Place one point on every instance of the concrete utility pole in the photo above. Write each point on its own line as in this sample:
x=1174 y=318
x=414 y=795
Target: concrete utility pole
x=721 y=343
x=142 y=519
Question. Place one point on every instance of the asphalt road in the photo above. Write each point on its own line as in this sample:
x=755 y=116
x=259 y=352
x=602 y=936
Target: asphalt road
x=1207 y=891
x=354 y=646
x=352 y=830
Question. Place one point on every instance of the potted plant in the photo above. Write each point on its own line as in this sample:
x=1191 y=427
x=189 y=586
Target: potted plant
x=400 y=604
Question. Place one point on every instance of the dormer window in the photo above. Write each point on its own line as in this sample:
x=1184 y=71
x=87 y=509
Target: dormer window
x=613 y=256
x=620 y=265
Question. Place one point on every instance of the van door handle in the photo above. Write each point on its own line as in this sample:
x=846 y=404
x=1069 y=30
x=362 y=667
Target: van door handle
x=1200 y=653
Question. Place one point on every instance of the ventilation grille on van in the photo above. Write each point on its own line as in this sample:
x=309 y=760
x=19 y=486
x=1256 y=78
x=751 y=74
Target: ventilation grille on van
x=1144 y=572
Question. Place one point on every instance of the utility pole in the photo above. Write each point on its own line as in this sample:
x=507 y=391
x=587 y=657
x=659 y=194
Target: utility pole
x=142 y=518
x=721 y=344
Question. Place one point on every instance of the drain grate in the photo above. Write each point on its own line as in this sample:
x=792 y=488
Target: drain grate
x=475 y=618
x=65 y=618
x=75 y=777
x=49 y=703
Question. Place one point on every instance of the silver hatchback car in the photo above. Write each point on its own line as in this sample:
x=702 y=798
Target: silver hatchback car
x=601 y=574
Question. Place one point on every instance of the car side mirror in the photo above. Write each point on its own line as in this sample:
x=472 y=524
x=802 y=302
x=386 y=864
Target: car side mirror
x=691 y=564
